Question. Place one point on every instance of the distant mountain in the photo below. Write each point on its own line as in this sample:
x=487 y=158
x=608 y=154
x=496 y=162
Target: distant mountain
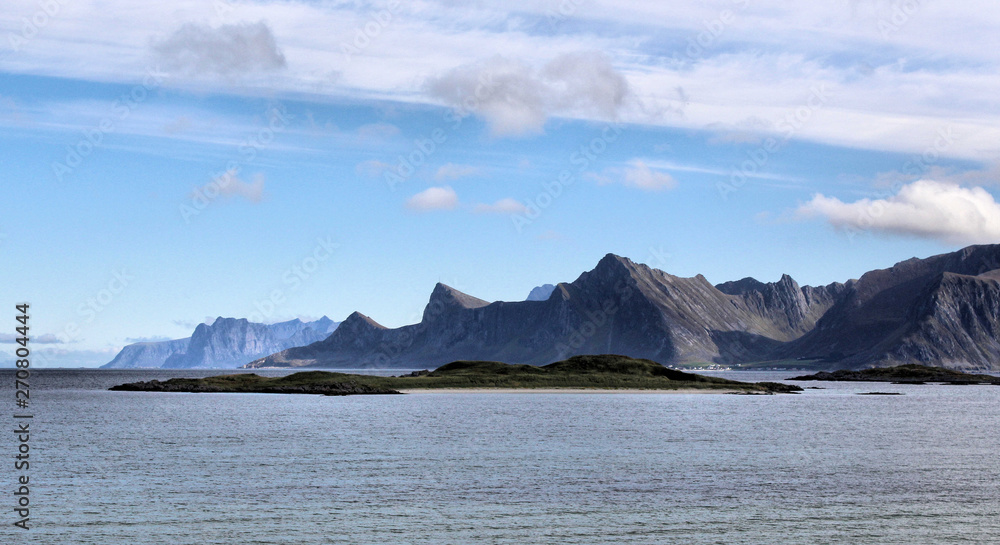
x=149 y=354
x=541 y=293
x=226 y=343
x=941 y=310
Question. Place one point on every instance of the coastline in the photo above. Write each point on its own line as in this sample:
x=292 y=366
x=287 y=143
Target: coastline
x=564 y=391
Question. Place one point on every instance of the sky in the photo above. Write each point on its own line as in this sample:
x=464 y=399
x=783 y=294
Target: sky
x=163 y=164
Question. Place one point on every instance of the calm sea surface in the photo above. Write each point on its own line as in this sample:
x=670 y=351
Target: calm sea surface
x=826 y=466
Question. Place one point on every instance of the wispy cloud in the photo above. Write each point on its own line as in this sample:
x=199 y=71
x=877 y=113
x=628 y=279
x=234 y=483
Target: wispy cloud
x=377 y=131
x=188 y=324
x=503 y=206
x=452 y=171
x=945 y=212
x=636 y=174
x=47 y=338
x=229 y=185
x=154 y=339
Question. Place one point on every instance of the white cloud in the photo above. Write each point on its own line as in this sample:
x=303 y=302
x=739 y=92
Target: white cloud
x=452 y=171
x=230 y=185
x=586 y=81
x=637 y=174
x=927 y=209
x=504 y=92
x=433 y=198
x=641 y=176
x=503 y=206
x=229 y=50
x=516 y=99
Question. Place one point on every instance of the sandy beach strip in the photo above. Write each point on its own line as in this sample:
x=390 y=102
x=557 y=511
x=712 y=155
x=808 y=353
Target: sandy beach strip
x=561 y=391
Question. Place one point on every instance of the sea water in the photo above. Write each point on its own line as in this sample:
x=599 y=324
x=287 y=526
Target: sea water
x=825 y=466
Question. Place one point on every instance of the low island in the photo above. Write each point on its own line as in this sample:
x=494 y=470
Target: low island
x=604 y=372
x=903 y=374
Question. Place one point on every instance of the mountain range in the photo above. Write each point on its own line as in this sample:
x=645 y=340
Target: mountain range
x=941 y=310
x=227 y=342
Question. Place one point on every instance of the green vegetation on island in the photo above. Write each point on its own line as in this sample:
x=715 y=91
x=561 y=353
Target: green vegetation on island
x=907 y=374
x=605 y=372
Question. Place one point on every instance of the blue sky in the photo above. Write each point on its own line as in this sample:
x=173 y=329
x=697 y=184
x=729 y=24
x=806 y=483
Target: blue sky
x=299 y=159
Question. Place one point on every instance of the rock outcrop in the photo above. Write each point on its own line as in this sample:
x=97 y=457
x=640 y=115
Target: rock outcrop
x=943 y=310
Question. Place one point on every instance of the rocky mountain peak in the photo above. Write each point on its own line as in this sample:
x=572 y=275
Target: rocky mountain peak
x=740 y=287
x=446 y=298
x=611 y=271
x=357 y=320
x=615 y=264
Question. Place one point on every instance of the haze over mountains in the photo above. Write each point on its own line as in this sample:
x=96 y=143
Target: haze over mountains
x=942 y=310
x=227 y=342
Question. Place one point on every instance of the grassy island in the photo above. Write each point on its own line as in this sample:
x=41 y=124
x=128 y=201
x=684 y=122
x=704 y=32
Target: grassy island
x=606 y=372
x=905 y=374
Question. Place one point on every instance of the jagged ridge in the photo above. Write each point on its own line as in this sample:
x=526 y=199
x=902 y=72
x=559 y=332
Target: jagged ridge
x=618 y=307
